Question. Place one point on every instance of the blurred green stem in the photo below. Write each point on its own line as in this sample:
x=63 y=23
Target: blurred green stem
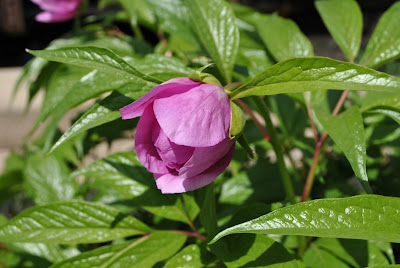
x=287 y=183
x=137 y=31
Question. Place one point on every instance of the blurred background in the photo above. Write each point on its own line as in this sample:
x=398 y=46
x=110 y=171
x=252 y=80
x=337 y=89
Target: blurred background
x=19 y=30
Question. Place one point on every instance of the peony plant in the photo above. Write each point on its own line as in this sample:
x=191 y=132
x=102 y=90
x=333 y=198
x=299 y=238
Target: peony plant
x=209 y=135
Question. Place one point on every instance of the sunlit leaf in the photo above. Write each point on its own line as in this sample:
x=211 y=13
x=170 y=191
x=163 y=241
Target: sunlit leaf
x=70 y=222
x=343 y=18
x=316 y=73
x=369 y=217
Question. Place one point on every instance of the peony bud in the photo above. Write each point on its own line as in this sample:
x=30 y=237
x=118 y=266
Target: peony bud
x=183 y=134
x=57 y=10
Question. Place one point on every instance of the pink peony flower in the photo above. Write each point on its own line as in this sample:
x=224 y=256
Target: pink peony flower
x=183 y=134
x=57 y=10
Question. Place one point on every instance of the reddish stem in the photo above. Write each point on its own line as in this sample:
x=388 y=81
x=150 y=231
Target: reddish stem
x=317 y=152
x=253 y=116
x=192 y=234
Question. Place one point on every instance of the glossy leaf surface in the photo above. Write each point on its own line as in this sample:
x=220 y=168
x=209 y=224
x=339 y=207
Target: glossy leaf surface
x=121 y=171
x=384 y=44
x=347 y=131
x=103 y=112
x=70 y=222
x=316 y=73
x=214 y=23
x=343 y=18
x=95 y=58
x=47 y=179
x=190 y=256
x=361 y=217
x=89 y=86
x=257 y=251
x=142 y=252
x=283 y=38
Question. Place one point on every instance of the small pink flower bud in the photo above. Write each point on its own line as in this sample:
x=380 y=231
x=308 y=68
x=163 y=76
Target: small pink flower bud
x=183 y=134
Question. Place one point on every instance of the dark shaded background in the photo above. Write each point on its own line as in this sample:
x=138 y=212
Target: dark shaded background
x=19 y=30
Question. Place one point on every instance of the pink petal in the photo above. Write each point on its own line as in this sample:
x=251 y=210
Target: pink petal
x=199 y=117
x=54 y=17
x=204 y=157
x=58 y=6
x=173 y=155
x=144 y=146
x=170 y=184
x=171 y=87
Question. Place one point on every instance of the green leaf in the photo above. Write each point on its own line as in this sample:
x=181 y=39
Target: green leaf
x=208 y=218
x=190 y=256
x=238 y=120
x=357 y=253
x=101 y=59
x=370 y=217
x=256 y=251
x=384 y=44
x=142 y=252
x=103 y=112
x=173 y=18
x=42 y=80
x=47 y=179
x=283 y=37
x=51 y=253
x=120 y=171
x=316 y=73
x=168 y=206
x=390 y=113
x=315 y=257
x=63 y=79
x=158 y=65
x=70 y=222
x=214 y=23
x=343 y=18
x=89 y=86
x=347 y=131
x=392 y=102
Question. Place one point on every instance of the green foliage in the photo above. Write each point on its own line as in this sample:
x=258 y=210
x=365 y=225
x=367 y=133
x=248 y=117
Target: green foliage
x=288 y=42
x=81 y=197
x=142 y=252
x=383 y=45
x=214 y=23
x=360 y=217
x=343 y=18
x=347 y=131
x=70 y=222
x=316 y=73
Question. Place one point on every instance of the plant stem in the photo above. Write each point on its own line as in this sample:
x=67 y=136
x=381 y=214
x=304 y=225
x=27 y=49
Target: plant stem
x=137 y=32
x=287 y=183
x=310 y=118
x=253 y=116
x=317 y=152
x=196 y=235
x=190 y=222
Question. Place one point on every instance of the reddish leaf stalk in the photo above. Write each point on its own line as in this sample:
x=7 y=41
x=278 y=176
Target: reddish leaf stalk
x=253 y=116
x=318 y=148
x=192 y=234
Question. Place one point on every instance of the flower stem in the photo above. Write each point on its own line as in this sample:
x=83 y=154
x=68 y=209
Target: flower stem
x=253 y=116
x=318 y=149
x=196 y=235
x=287 y=183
